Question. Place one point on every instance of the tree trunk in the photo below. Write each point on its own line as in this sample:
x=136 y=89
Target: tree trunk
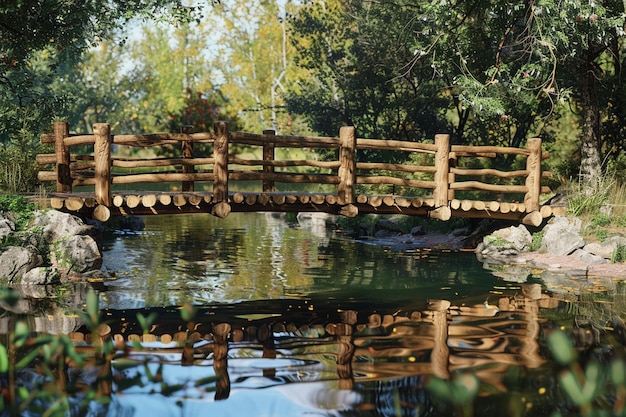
x=590 y=166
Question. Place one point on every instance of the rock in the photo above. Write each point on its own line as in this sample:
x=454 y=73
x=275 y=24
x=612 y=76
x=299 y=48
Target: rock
x=561 y=236
x=77 y=254
x=607 y=248
x=57 y=225
x=519 y=238
x=74 y=245
x=417 y=231
x=41 y=276
x=15 y=261
x=587 y=257
x=7 y=226
x=389 y=225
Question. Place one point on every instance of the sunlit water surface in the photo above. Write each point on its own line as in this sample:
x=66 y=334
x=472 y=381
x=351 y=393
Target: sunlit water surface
x=297 y=281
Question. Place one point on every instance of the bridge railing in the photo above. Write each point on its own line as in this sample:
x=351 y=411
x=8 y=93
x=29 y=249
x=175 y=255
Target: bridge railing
x=436 y=180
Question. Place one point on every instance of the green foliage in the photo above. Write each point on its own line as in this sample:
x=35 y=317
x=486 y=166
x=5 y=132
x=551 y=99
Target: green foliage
x=581 y=201
x=619 y=254
x=588 y=387
x=536 y=242
x=20 y=207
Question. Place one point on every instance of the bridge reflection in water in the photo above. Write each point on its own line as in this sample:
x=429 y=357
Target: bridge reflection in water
x=289 y=342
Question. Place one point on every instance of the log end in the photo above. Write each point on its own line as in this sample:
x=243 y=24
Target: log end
x=101 y=213
x=221 y=210
x=441 y=213
x=349 y=210
x=533 y=218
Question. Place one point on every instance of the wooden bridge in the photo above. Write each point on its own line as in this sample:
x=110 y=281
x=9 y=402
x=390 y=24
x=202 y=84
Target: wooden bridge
x=203 y=172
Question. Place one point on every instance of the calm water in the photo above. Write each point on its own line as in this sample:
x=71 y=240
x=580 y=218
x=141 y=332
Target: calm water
x=321 y=325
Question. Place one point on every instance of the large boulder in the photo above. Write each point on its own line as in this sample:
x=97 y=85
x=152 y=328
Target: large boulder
x=504 y=243
x=561 y=236
x=15 y=261
x=76 y=254
x=607 y=248
x=56 y=225
x=74 y=246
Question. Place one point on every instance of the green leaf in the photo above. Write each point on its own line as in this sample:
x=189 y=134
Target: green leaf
x=440 y=388
x=187 y=312
x=592 y=380
x=464 y=388
x=93 y=306
x=4 y=359
x=570 y=385
x=26 y=360
x=561 y=348
x=21 y=333
x=617 y=372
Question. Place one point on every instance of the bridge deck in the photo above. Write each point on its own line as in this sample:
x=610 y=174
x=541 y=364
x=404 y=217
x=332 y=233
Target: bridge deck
x=153 y=203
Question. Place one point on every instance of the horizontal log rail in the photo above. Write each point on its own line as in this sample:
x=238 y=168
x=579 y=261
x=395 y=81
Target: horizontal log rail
x=426 y=188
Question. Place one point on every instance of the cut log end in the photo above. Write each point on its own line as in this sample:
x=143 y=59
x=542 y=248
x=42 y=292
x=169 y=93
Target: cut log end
x=221 y=210
x=441 y=213
x=101 y=213
x=349 y=210
x=533 y=218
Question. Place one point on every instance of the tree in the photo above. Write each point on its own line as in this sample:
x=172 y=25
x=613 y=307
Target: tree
x=497 y=70
x=254 y=57
x=545 y=52
x=41 y=42
x=354 y=53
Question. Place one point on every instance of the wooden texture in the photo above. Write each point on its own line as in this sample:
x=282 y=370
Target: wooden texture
x=187 y=154
x=442 y=163
x=102 y=158
x=347 y=169
x=442 y=180
x=533 y=179
x=220 y=168
x=269 y=157
x=63 y=175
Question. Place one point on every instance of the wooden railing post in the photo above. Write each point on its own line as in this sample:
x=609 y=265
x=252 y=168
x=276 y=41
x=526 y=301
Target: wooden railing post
x=533 y=180
x=442 y=176
x=187 y=153
x=64 y=176
x=268 y=155
x=220 y=170
x=347 y=168
x=102 y=160
x=451 y=175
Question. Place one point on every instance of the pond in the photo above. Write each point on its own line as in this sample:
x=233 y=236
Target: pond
x=288 y=318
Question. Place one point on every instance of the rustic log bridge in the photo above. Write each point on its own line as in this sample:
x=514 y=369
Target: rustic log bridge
x=200 y=183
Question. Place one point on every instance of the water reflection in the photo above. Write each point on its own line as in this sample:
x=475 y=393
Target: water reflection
x=326 y=361
x=206 y=260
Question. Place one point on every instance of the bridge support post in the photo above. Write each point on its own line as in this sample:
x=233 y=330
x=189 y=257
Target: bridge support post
x=187 y=153
x=220 y=170
x=533 y=180
x=268 y=156
x=62 y=152
x=102 y=159
x=347 y=168
x=442 y=177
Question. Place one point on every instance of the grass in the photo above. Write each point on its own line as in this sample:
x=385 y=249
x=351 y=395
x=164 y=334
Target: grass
x=603 y=212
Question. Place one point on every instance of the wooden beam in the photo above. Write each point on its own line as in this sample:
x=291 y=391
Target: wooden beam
x=64 y=176
x=102 y=158
x=347 y=169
